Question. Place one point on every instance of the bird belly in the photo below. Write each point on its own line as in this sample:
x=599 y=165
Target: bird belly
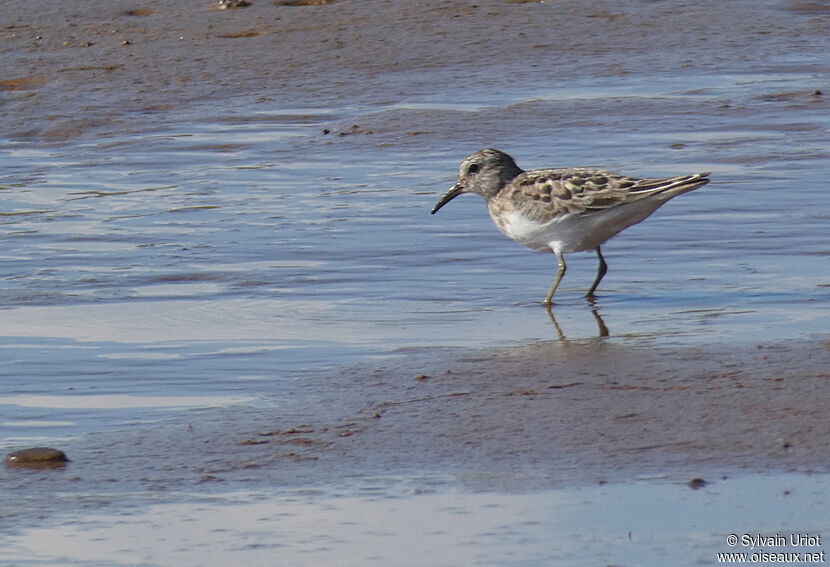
x=586 y=231
x=524 y=230
x=574 y=232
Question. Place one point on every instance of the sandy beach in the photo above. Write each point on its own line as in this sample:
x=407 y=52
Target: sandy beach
x=113 y=66
x=231 y=207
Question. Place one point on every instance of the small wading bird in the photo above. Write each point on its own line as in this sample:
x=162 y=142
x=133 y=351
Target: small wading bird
x=563 y=210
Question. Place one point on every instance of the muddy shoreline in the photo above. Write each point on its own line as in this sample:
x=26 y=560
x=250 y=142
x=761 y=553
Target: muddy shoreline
x=540 y=415
x=112 y=67
x=556 y=414
x=106 y=68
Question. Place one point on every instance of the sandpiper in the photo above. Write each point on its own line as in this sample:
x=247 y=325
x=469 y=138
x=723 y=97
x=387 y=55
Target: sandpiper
x=563 y=210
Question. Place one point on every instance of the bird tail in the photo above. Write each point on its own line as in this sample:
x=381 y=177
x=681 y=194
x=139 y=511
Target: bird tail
x=671 y=187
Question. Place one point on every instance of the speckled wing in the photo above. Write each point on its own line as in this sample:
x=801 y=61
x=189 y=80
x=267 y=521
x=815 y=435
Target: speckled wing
x=543 y=194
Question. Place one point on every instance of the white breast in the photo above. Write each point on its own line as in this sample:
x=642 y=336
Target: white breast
x=518 y=227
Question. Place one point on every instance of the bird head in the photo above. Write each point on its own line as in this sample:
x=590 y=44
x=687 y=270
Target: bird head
x=485 y=173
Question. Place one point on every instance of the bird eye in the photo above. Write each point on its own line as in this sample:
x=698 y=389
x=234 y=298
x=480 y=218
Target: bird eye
x=472 y=169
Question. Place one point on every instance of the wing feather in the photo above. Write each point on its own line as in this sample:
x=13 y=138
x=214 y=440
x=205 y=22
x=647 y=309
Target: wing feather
x=542 y=194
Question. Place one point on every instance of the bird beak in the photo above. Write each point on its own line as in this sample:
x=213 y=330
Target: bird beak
x=454 y=192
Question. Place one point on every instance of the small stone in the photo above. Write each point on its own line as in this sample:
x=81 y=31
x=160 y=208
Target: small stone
x=229 y=4
x=697 y=483
x=37 y=457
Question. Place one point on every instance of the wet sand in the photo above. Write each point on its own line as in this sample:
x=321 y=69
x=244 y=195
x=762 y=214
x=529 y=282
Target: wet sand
x=542 y=415
x=650 y=523
x=554 y=414
x=112 y=67
x=103 y=67
x=525 y=451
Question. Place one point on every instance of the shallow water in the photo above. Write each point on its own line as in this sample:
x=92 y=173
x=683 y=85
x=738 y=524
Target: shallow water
x=647 y=522
x=156 y=265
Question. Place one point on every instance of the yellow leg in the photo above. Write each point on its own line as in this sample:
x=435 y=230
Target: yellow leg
x=603 y=267
x=560 y=272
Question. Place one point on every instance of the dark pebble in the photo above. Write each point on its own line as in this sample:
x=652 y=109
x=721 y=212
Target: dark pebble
x=697 y=483
x=37 y=457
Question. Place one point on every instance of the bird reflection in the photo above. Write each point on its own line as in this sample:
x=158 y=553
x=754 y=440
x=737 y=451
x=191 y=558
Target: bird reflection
x=602 y=327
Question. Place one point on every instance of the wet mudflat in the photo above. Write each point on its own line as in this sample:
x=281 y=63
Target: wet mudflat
x=645 y=522
x=221 y=284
